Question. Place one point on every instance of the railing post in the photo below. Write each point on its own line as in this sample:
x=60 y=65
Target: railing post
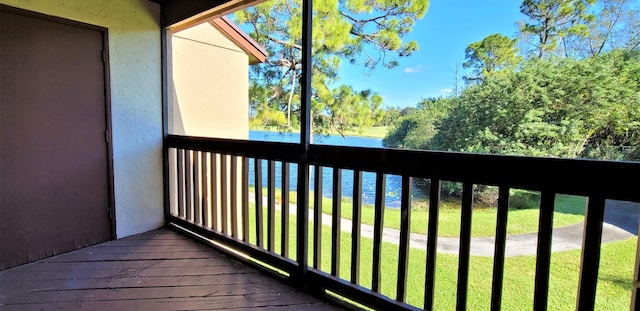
x=302 y=251
x=165 y=42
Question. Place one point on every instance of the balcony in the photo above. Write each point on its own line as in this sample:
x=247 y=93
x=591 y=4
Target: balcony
x=257 y=220
x=212 y=196
x=214 y=202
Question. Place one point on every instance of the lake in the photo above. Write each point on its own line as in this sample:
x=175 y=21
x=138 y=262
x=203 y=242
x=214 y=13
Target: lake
x=394 y=182
x=336 y=140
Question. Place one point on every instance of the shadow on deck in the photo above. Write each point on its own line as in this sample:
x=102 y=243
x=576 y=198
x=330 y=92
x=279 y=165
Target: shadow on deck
x=157 y=270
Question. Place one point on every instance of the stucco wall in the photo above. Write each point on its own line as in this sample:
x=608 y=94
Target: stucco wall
x=210 y=85
x=136 y=100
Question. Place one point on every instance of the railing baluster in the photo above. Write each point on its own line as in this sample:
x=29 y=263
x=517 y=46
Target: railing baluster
x=355 y=227
x=234 y=196
x=197 y=183
x=189 y=185
x=465 y=246
x=378 y=225
x=271 y=205
x=213 y=173
x=284 y=206
x=204 y=210
x=317 y=217
x=302 y=224
x=258 y=193
x=180 y=178
x=245 y=199
x=405 y=232
x=591 y=243
x=432 y=243
x=499 y=251
x=336 y=220
x=543 y=256
x=224 y=195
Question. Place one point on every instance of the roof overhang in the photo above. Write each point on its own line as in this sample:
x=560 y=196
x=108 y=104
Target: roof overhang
x=257 y=54
x=177 y=13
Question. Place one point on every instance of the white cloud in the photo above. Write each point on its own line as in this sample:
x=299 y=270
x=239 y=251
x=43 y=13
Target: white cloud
x=413 y=69
x=446 y=91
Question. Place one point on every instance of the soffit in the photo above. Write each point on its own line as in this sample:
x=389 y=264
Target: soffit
x=184 y=13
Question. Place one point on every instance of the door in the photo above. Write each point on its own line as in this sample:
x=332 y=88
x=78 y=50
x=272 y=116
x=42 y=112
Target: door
x=54 y=155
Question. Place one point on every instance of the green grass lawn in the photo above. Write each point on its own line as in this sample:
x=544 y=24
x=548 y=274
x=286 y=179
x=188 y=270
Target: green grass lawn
x=613 y=292
x=376 y=131
x=569 y=210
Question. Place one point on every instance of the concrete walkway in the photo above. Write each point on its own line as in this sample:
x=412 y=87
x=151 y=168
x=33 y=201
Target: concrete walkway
x=621 y=222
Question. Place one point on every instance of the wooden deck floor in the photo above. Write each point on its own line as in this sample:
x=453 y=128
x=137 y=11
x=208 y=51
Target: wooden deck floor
x=157 y=270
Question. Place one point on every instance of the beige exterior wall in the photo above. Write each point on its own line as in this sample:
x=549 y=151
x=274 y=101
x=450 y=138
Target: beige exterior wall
x=209 y=85
x=209 y=97
x=136 y=101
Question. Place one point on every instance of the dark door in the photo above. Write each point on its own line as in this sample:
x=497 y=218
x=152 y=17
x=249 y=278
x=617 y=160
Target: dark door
x=54 y=172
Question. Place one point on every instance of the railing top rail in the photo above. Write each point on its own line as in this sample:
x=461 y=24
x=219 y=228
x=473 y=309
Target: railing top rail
x=288 y=152
x=608 y=179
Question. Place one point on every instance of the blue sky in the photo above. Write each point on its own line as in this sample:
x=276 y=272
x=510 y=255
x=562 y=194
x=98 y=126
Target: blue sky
x=443 y=34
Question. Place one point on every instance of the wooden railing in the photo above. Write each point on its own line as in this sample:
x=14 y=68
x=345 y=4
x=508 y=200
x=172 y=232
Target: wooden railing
x=209 y=195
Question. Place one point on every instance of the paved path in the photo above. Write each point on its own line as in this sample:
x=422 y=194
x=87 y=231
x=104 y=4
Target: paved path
x=621 y=222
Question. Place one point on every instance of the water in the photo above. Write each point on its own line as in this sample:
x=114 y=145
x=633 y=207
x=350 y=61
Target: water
x=336 y=140
x=393 y=182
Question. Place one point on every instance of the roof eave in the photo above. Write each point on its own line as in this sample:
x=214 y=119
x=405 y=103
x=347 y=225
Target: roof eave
x=257 y=53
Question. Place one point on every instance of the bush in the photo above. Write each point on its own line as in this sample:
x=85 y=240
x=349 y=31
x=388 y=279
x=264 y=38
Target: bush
x=482 y=194
x=486 y=195
x=521 y=199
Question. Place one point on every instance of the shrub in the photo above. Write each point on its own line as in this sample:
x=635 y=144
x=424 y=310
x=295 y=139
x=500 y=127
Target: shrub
x=521 y=199
x=486 y=195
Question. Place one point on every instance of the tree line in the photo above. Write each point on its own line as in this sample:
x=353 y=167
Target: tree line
x=567 y=86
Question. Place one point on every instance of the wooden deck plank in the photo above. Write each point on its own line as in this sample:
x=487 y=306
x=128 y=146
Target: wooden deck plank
x=128 y=264
x=144 y=242
x=137 y=293
x=213 y=303
x=158 y=270
x=145 y=249
x=70 y=257
x=159 y=234
x=108 y=273
x=10 y=287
